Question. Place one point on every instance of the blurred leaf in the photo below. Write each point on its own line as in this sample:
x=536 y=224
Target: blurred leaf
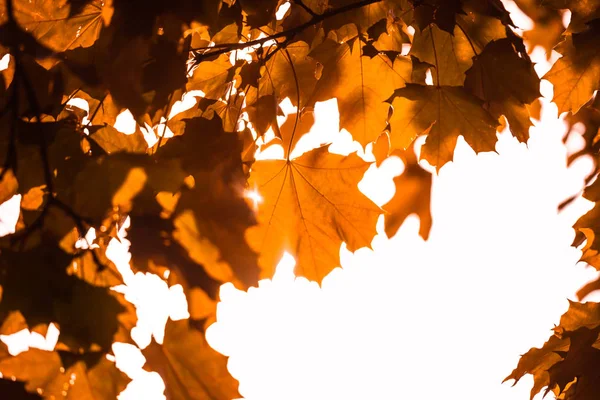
x=413 y=196
x=44 y=371
x=123 y=183
x=54 y=24
x=35 y=282
x=114 y=141
x=576 y=75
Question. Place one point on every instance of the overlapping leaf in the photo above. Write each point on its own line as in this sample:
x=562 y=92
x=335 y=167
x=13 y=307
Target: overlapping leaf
x=507 y=82
x=213 y=216
x=568 y=362
x=452 y=53
x=443 y=113
x=60 y=25
x=413 y=196
x=360 y=84
x=189 y=367
x=576 y=75
x=36 y=283
x=45 y=373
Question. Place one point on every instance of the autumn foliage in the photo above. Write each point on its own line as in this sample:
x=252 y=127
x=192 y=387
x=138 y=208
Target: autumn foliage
x=181 y=174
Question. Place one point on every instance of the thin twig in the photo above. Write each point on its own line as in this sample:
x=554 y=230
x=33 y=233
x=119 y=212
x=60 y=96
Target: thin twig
x=306 y=8
x=289 y=150
x=288 y=34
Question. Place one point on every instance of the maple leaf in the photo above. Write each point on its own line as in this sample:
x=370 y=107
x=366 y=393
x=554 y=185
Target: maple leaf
x=565 y=353
x=439 y=12
x=360 y=84
x=133 y=179
x=589 y=116
x=507 y=85
x=263 y=113
x=292 y=130
x=153 y=244
x=589 y=225
x=581 y=11
x=581 y=365
x=49 y=294
x=45 y=372
x=311 y=205
x=189 y=367
x=452 y=53
x=576 y=75
x=389 y=34
x=580 y=315
x=492 y=81
x=63 y=151
x=413 y=196
x=54 y=24
x=290 y=73
x=548 y=25
x=537 y=362
x=213 y=216
x=444 y=112
x=211 y=77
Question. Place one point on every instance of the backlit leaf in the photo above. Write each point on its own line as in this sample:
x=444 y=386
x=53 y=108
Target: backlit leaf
x=45 y=371
x=452 y=54
x=576 y=75
x=360 y=84
x=443 y=113
x=311 y=205
x=507 y=82
x=55 y=25
x=413 y=196
x=189 y=367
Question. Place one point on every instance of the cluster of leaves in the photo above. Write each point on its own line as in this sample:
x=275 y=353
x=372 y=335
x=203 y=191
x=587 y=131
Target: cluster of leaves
x=180 y=177
x=569 y=362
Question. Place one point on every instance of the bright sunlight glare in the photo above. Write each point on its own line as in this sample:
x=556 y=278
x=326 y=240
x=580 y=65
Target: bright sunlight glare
x=406 y=319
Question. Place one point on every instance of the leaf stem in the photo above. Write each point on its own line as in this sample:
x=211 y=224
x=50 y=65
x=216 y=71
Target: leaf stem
x=468 y=39
x=289 y=149
x=437 y=64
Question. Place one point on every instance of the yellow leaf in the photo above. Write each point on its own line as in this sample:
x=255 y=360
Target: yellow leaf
x=311 y=205
x=576 y=75
x=446 y=112
x=360 y=84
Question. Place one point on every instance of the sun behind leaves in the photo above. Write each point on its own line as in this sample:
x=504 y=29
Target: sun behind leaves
x=74 y=69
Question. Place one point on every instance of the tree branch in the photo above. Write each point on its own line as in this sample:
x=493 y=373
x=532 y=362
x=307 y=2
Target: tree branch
x=288 y=34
